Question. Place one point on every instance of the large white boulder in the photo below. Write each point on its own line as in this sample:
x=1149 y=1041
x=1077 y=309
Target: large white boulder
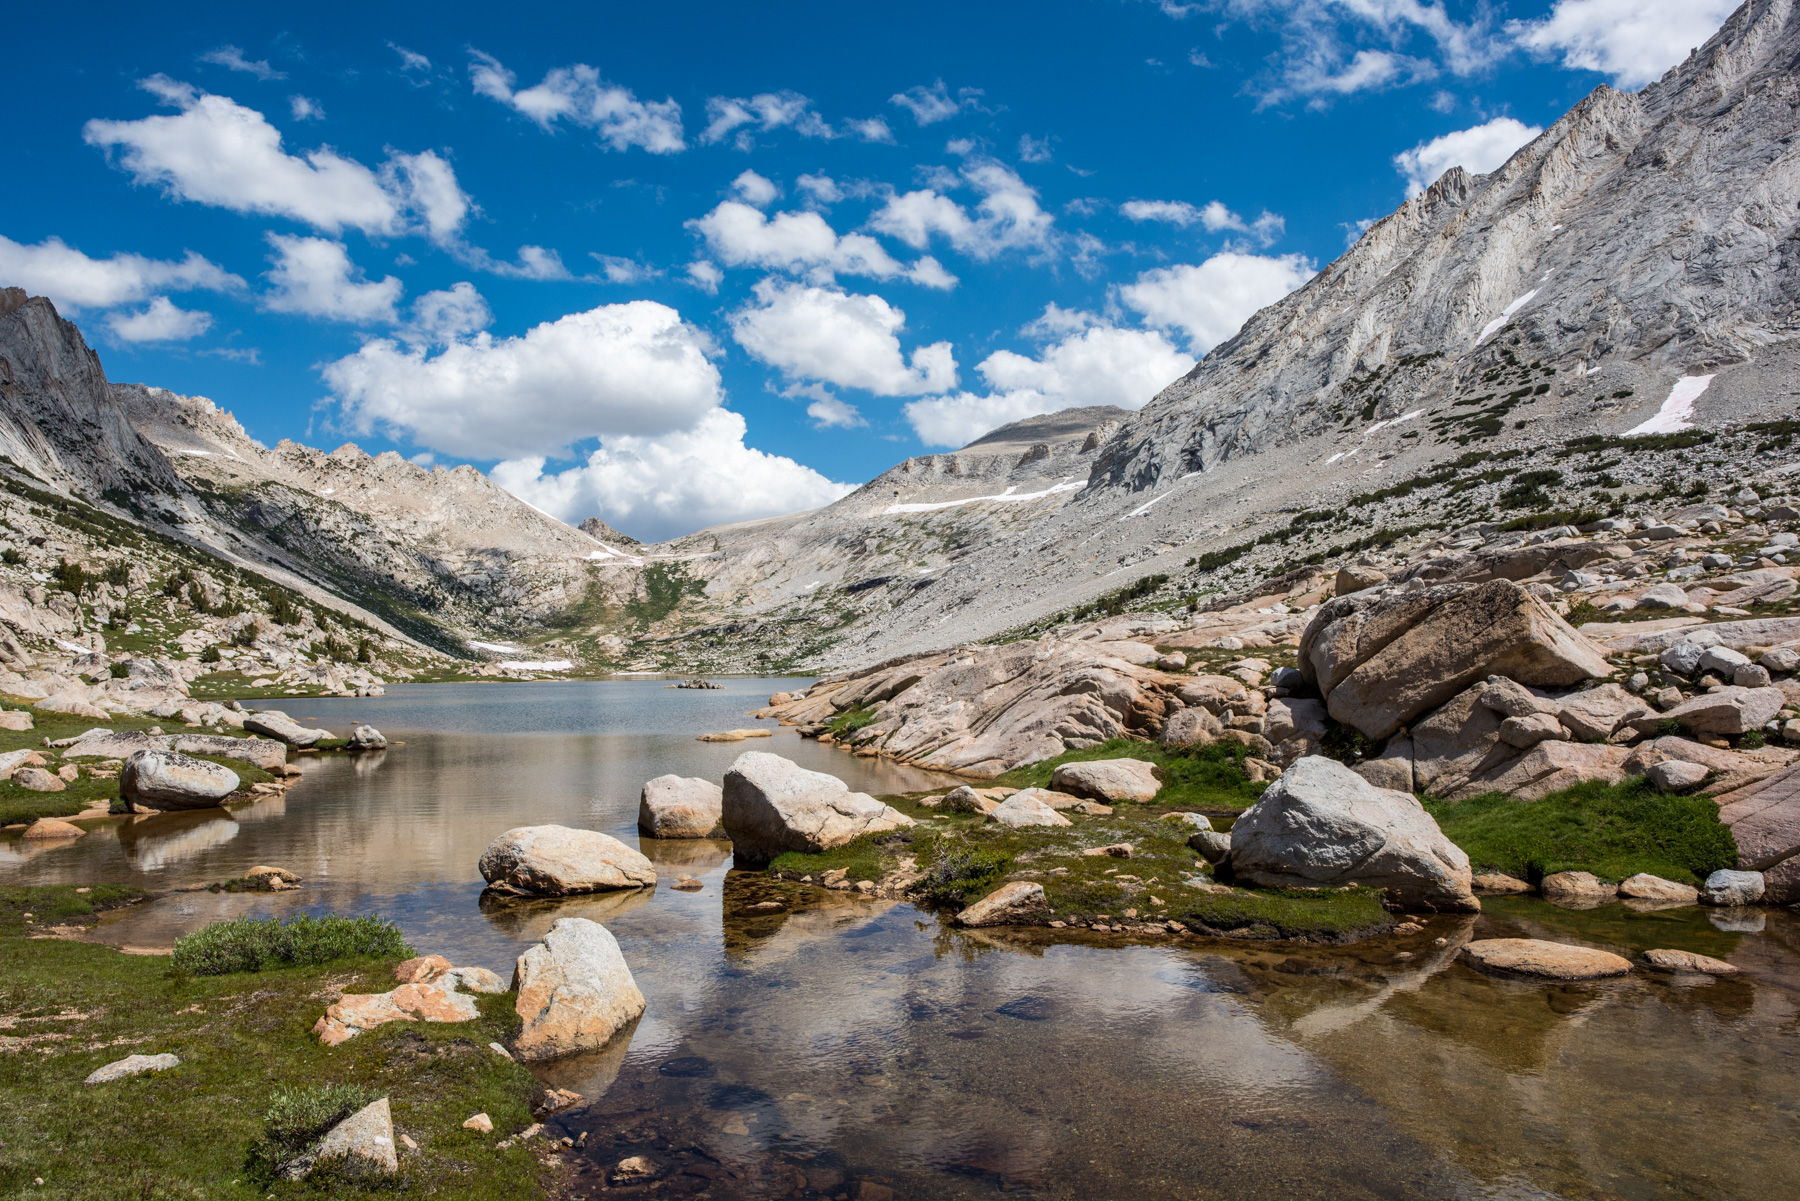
x=1382 y=659
x=555 y=861
x=1322 y=825
x=1109 y=780
x=1027 y=808
x=679 y=807
x=170 y=780
x=772 y=806
x=575 y=991
x=266 y=753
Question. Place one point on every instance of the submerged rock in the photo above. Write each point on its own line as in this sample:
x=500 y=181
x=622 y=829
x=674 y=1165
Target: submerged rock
x=1322 y=825
x=556 y=861
x=1545 y=960
x=771 y=806
x=575 y=991
x=1689 y=961
x=679 y=807
x=171 y=780
x=49 y=829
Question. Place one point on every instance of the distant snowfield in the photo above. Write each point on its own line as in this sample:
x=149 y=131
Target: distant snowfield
x=538 y=665
x=1007 y=496
x=499 y=648
x=1678 y=410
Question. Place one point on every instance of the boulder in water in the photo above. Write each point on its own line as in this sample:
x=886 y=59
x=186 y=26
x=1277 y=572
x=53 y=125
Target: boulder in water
x=171 y=780
x=575 y=991
x=556 y=861
x=679 y=807
x=772 y=805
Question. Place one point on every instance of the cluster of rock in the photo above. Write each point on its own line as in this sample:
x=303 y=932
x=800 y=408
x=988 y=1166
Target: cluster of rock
x=430 y=990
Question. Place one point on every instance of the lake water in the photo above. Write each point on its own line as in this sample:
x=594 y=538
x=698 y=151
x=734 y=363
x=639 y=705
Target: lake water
x=845 y=1046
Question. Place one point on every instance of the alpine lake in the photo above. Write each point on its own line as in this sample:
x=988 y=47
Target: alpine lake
x=847 y=1047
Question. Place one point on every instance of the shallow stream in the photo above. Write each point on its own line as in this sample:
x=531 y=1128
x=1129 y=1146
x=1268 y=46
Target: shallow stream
x=855 y=1048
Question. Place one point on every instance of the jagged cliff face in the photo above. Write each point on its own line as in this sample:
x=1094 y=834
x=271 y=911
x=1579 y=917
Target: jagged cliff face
x=1640 y=239
x=57 y=419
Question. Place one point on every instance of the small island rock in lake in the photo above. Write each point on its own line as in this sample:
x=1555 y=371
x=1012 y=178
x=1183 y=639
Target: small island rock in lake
x=556 y=861
x=772 y=806
x=679 y=807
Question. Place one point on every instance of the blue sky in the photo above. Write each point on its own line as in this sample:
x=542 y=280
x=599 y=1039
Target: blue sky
x=675 y=266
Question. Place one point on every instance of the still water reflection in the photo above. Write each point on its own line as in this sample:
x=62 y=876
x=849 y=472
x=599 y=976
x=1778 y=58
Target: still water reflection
x=841 y=1046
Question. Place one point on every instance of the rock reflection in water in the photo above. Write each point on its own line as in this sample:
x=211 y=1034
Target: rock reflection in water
x=528 y=919
x=157 y=841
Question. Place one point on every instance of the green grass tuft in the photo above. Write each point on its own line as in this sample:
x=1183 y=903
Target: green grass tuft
x=252 y=945
x=1614 y=831
x=1200 y=777
x=850 y=721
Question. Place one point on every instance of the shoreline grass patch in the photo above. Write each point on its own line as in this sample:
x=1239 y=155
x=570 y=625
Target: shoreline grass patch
x=1611 y=830
x=1194 y=777
x=257 y=945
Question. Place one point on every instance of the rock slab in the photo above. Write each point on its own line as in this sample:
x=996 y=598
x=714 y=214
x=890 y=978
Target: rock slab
x=556 y=861
x=1322 y=825
x=131 y=1065
x=575 y=991
x=1544 y=960
x=1020 y=903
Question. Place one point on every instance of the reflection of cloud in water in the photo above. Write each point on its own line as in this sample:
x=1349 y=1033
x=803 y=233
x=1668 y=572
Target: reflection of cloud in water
x=156 y=842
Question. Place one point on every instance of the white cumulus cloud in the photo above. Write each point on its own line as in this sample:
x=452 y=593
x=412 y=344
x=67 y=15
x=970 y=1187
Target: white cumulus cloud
x=1094 y=363
x=217 y=152
x=305 y=108
x=1210 y=301
x=812 y=333
x=1007 y=217
x=579 y=95
x=1478 y=150
x=315 y=278
x=1634 y=41
x=630 y=369
x=440 y=318
x=73 y=281
x=659 y=487
x=1215 y=217
x=159 y=321
x=232 y=58
x=761 y=113
x=932 y=104
x=755 y=190
x=803 y=242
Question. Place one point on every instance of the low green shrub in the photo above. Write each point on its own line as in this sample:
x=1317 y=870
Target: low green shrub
x=253 y=945
x=296 y=1119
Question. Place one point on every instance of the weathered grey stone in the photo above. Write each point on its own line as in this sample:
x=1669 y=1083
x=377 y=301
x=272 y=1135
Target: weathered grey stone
x=1781 y=659
x=1188 y=727
x=964 y=799
x=1109 y=780
x=1321 y=824
x=1546 y=768
x=277 y=724
x=1022 y=809
x=1764 y=818
x=1727 y=887
x=170 y=780
x=1596 y=713
x=362 y=1144
x=1354 y=577
x=575 y=991
x=771 y=806
x=1526 y=732
x=679 y=807
x=1727 y=710
x=1213 y=845
x=1673 y=775
x=556 y=861
x=1646 y=887
x=36 y=779
x=1383 y=659
x=1019 y=903
x=1689 y=961
x=1683 y=658
x=1500 y=882
x=1577 y=890
x=367 y=738
x=1751 y=675
x=1663 y=596
x=1722 y=660
x=1393 y=768
x=131 y=1065
x=1544 y=960
x=1294 y=717
x=264 y=753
